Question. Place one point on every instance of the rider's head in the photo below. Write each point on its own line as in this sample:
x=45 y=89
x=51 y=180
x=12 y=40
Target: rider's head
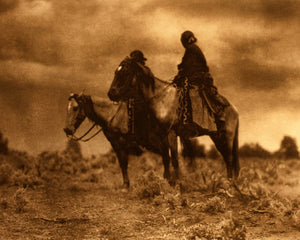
x=187 y=38
x=138 y=56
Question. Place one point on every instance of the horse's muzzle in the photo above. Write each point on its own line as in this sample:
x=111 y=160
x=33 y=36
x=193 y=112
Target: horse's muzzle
x=113 y=94
x=68 y=131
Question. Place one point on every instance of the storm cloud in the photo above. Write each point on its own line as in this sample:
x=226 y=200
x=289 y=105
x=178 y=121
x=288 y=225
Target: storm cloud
x=51 y=48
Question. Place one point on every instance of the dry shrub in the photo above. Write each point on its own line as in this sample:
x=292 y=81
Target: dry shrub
x=99 y=163
x=273 y=205
x=262 y=170
x=295 y=217
x=149 y=161
x=20 y=200
x=207 y=177
x=73 y=150
x=211 y=205
x=293 y=164
x=150 y=185
x=49 y=161
x=103 y=161
x=215 y=204
x=5 y=173
x=83 y=167
x=192 y=182
x=21 y=160
x=61 y=162
x=21 y=179
x=228 y=229
x=76 y=187
x=253 y=183
x=248 y=174
x=203 y=231
x=68 y=165
x=4 y=203
x=171 y=198
x=18 y=168
x=233 y=230
x=94 y=178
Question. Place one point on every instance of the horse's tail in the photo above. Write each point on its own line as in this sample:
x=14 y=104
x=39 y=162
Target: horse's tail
x=235 y=151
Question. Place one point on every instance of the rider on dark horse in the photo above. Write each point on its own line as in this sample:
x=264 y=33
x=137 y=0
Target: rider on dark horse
x=138 y=115
x=193 y=71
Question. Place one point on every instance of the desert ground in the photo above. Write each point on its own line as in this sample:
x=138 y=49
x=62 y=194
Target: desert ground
x=62 y=195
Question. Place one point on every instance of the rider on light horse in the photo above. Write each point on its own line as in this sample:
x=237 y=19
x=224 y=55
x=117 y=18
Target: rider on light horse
x=193 y=71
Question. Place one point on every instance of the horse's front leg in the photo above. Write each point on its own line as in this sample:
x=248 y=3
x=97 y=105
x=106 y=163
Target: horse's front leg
x=123 y=161
x=225 y=148
x=166 y=162
x=188 y=153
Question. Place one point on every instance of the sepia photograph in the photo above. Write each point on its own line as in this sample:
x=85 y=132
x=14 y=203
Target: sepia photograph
x=148 y=119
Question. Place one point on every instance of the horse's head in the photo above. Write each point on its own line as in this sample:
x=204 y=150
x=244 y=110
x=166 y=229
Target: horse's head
x=75 y=114
x=124 y=75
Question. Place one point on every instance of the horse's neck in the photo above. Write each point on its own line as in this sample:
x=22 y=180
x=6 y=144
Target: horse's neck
x=103 y=110
x=164 y=102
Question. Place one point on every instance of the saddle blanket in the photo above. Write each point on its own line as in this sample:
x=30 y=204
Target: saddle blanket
x=197 y=111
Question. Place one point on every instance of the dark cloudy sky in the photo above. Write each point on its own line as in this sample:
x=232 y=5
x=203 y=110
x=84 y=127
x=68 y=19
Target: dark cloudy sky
x=49 y=48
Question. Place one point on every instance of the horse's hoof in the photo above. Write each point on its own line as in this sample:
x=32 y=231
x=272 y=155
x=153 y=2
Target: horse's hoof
x=124 y=190
x=167 y=176
x=191 y=167
x=125 y=185
x=172 y=182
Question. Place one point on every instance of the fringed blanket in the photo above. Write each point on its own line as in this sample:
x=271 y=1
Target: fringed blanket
x=194 y=110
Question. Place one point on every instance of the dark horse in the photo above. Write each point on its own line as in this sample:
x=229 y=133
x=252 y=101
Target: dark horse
x=163 y=104
x=101 y=111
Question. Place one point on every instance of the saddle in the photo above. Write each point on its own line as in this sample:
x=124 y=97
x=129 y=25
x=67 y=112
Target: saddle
x=120 y=121
x=132 y=120
x=196 y=112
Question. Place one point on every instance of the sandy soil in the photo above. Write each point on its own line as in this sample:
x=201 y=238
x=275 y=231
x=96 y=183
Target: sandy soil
x=90 y=204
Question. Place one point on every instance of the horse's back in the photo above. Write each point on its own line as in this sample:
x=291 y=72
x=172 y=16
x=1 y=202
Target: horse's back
x=165 y=103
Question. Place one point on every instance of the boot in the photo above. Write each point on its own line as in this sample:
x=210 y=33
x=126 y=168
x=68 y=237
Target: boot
x=131 y=140
x=221 y=116
x=220 y=121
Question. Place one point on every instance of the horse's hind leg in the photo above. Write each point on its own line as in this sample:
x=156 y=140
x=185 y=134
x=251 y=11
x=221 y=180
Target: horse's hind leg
x=235 y=152
x=172 y=138
x=225 y=148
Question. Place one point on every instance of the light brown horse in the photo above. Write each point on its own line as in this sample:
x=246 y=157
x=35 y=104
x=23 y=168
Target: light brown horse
x=162 y=105
x=101 y=111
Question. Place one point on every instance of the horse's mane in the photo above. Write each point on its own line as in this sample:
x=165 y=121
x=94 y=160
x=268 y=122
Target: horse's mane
x=100 y=101
x=98 y=109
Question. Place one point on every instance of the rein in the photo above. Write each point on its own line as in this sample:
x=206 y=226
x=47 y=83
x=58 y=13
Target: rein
x=81 y=138
x=85 y=140
x=163 y=81
x=168 y=84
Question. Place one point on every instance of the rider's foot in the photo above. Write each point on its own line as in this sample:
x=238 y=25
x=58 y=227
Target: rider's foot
x=221 y=116
x=221 y=127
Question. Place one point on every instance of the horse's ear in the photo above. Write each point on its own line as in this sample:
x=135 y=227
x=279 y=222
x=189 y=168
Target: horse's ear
x=82 y=92
x=73 y=95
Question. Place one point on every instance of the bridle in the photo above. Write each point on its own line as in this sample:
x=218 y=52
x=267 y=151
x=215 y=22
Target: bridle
x=87 y=139
x=75 y=97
